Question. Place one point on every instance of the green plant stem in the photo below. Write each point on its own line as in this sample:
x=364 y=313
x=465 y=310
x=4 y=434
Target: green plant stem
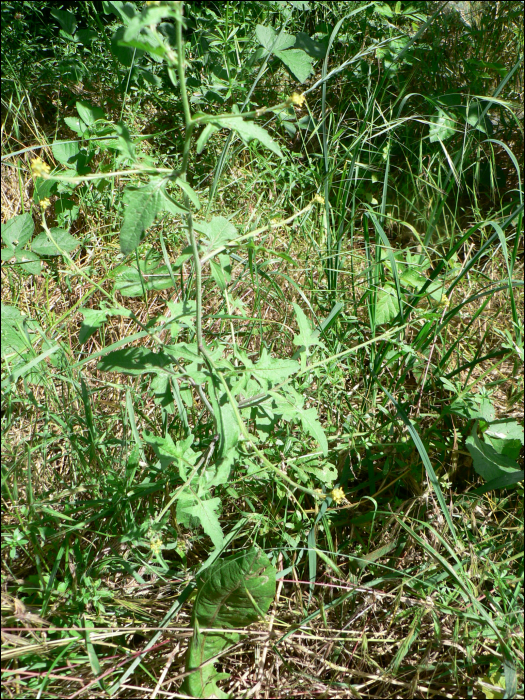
x=189 y=123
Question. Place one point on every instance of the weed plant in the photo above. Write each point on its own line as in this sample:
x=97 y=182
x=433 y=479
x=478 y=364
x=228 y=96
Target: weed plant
x=262 y=343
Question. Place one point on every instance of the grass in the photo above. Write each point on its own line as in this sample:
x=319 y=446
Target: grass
x=411 y=586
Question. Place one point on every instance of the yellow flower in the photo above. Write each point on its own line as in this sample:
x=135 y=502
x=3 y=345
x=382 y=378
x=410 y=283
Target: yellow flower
x=317 y=198
x=445 y=301
x=45 y=203
x=39 y=168
x=156 y=545
x=297 y=99
x=338 y=495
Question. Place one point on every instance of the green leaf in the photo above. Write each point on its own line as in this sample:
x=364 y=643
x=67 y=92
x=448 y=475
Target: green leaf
x=89 y=113
x=141 y=206
x=307 y=336
x=28 y=261
x=151 y=14
x=412 y=278
x=125 y=144
x=227 y=426
x=182 y=313
x=151 y=275
x=324 y=472
x=218 y=231
x=505 y=429
x=267 y=37
x=125 y=54
x=192 y=505
x=167 y=452
x=95 y=318
x=312 y=426
x=271 y=370
x=506 y=437
x=221 y=271
x=487 y=462
x=299 y=63
x=65 y=151
x=189 y=191
x=14 y=331
x=205 y=135
x=290 y=407
x=66 y=20
x=43 y=245
x=249 y=131
x=315 y=49
x=134 y=361
x=17 y=231
x=232 y=593
x=86 y=36
x=441 y=127
x=143 y=40
x=387 y=306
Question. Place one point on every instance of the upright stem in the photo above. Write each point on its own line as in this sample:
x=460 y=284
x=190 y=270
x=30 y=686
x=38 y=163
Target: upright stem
x=189 y=124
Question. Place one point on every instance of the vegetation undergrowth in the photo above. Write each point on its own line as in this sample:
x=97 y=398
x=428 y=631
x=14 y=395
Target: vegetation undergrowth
x=262 y=341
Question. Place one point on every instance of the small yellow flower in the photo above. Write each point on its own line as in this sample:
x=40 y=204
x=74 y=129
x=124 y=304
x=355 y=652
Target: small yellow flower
x=338 y=495
x=297 y=99
x=45 y=203
x=317 y=198
x=445 y=301
x=156 y=545
x=39 y=168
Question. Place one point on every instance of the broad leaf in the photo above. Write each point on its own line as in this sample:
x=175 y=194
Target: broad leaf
x=487 y=462
x=267 y=37
x=43 y=245
x=141 y=206
x=66 y=20
x=221 y=271
x=232 y=593
x=412 y=278
x=182 y=313
x=192 y=195
x=299 y=63
x=28 y=261
x=290 y=407
x=219 y=231
x=315 y=49
x=125 y=54
x=17 y=231
x=441 y=127
x=228 y=427
x=14 y=328
x=387 y=306
x=152 y=275
x=89 y=113
x=506 y=437
x=94 y=319
x=65 y=151
x=249 y=131
x=134 y=361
